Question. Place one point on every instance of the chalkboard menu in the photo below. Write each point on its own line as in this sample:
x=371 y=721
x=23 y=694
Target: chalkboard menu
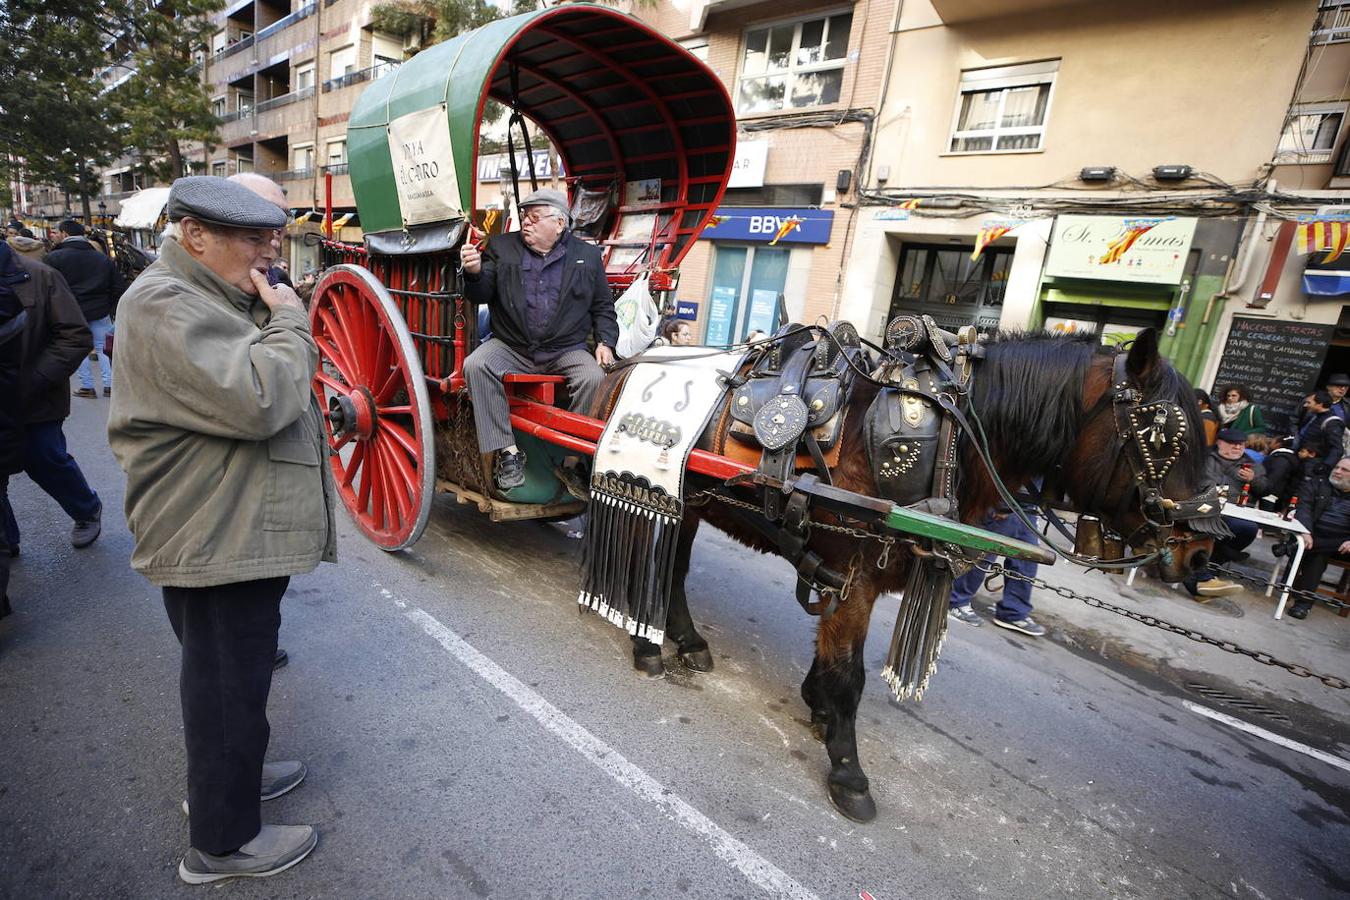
x=1278 y=362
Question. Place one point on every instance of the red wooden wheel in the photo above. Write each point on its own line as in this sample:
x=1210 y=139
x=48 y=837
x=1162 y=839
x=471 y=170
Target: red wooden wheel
x=379 y=424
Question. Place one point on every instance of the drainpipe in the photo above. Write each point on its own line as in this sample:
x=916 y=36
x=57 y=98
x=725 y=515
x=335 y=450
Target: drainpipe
x=1279 y=253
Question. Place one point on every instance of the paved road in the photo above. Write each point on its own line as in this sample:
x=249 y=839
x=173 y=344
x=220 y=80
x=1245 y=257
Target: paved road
x=469 y=734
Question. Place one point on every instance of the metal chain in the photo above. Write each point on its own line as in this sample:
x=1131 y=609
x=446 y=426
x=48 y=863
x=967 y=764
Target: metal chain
x=1297 y=593
x=1199 y=637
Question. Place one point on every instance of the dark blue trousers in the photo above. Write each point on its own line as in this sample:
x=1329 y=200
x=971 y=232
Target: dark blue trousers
x=1226 y=550
x=53 y=469
x=1015 y=603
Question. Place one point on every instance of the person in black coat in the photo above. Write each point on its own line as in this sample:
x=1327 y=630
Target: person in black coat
x=1324 y=509
x=548 y=294
x=12 y=321
x=97 y=285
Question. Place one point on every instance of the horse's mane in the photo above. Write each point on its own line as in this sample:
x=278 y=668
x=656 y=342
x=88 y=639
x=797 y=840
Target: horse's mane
x=1028 y=393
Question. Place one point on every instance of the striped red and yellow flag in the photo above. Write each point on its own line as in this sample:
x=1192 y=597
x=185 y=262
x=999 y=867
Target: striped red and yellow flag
x=1323 y=234
x=912 y=203
x=785 y=228
x=714 y=221
x=1121 y=245
x=987 y=236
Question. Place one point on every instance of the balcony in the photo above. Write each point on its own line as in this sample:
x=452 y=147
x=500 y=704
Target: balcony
x=335 y=169
x=351 y=78
x=293 y=174
x=285 y=99
x=283 y=23
x=953 y=12
x=234 y=48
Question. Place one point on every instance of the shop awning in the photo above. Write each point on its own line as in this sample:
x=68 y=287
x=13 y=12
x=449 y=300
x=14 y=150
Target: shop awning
x=1326 y=279
x=143 y=209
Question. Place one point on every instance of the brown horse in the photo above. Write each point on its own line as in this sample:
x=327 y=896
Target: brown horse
x=1045 y=405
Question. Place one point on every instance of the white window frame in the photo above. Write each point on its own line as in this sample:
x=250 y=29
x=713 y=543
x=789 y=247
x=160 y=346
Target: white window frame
x=1337 y=22
x=793 y=69
x=328 y=152
x=220 y=167
x=309 y=69
x=333 y=55
x=698 y=48
x=309 y=145
x=1004 y=77
x=1305 y=157
x=222 y=102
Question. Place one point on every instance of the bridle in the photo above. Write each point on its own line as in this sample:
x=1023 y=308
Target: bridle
x=1152 y=436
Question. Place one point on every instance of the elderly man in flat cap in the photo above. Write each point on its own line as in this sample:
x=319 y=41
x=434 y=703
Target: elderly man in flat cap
x=547 y=294
x=228 y=495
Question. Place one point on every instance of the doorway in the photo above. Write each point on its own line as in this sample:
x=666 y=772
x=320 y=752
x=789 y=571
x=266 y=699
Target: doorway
x=747 y=292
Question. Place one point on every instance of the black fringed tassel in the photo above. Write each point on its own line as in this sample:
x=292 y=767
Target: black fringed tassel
x=920 y=629
x=627 y=557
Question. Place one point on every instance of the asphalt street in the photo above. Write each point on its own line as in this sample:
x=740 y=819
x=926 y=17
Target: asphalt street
x=470 y=734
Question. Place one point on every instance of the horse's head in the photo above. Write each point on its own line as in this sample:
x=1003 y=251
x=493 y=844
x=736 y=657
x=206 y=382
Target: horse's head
x=1118 y=433
x=1138 y=463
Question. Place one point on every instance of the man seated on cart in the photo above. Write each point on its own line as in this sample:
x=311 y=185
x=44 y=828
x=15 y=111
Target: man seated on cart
x=547 y=293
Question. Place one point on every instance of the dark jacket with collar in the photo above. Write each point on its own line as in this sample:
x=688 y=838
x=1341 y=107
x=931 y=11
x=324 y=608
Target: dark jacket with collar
x=1224 y=473
x=56 y=339
x=1315 y=494
x=92 y=276
x=1332 y=427
x=585 y=302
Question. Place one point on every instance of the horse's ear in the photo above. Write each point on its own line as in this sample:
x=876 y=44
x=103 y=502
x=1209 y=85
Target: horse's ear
x=1143 y=360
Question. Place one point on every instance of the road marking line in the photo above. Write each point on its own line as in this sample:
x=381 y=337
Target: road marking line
x=754 y=867
x=1271 y=736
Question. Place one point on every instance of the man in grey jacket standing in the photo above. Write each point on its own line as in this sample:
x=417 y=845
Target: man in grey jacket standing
x=228 y=495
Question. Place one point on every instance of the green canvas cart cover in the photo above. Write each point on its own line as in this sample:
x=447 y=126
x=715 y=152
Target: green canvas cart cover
x=620 y=102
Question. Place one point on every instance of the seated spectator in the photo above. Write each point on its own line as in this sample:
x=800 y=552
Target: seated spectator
x=1207 y=415
x=1286 y=467
x=1324 y=509
x=677 y=333
x=1238 y=411
x=1227 y=466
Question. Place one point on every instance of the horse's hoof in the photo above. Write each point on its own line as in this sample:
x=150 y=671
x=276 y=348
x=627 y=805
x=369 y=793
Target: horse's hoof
x=698 y=660
x=651 y=666
x=856 y=805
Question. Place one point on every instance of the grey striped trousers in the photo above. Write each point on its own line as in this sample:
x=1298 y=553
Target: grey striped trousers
x=484 y=368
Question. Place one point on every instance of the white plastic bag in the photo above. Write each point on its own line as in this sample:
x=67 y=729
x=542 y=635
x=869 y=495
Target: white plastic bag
x=638 y=319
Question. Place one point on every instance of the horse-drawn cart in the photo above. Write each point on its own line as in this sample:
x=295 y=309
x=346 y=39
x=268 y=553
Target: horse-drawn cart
x=806 y=445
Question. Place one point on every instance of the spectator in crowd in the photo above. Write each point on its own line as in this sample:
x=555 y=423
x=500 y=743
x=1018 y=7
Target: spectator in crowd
x=1324 y=509
x=55 y=339
x=1238 y=411
x=27 y=245
x=97 y=285
x=12 y=319
x=1207 y=415
x=1228 y=467
x=1286 y=467
x=678 y=333
x=1013 y=610
x=1336 y=387
x=229 y=495
x=1320 y=419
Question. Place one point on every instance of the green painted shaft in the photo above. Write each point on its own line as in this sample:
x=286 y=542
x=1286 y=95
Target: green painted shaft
x=927 y=525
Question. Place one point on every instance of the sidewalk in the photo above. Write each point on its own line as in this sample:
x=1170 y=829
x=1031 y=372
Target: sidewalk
x=1320 y=642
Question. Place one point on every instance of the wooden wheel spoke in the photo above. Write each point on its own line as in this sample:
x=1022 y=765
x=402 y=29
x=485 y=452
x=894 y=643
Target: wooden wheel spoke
x=337 y=442
x=329 y=352
x=367 y=480
x=390 y=385
x=400 y=436
x=345 y=359
x=394 y=410
x=356 y=342
x=353 y=465
x=386 y=486
x=330 y=382
x=403 y=481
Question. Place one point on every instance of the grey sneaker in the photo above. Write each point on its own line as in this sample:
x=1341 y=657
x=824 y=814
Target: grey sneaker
x=277 y=778
x=965 y=614
x=1026 y=626
x=509 y=470
x=275 y=849
x=87 y=531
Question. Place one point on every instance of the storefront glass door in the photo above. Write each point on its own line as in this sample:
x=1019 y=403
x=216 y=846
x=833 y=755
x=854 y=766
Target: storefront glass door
x=747 y=292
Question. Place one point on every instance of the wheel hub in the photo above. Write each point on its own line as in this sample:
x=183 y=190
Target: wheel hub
x=352 y=415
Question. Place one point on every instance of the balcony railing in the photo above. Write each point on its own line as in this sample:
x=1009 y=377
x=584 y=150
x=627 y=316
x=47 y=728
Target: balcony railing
x=280 y=24
x=235 y=47
x=285 y=99
x=335 y=169
x=292 y=174
x=351 y=78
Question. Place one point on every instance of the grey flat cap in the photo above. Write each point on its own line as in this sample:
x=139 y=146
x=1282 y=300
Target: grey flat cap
x=208 y=198
x=548 y=197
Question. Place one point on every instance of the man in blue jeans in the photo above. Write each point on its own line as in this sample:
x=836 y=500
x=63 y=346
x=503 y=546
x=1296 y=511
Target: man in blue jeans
x=94 y=280
x=55 y=339
x=1014 y=607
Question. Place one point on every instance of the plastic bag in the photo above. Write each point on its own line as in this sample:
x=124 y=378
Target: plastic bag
x=638 y=319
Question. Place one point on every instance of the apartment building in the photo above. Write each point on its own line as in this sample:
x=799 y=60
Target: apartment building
x=805 y=79
x=1060 y=125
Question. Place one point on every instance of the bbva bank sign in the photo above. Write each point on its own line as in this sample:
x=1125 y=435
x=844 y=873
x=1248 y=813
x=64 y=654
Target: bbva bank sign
x=762 y=224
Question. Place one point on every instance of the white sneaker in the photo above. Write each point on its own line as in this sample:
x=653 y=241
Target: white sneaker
x=964 y=614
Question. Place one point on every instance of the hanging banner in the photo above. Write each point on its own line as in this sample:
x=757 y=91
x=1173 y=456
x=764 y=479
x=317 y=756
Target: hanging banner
x=424 y=167
x=1112 y=248
x=1331 y=235
x=989 y=233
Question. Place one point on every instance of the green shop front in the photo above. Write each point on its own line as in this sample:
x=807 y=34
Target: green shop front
x=1167 y=278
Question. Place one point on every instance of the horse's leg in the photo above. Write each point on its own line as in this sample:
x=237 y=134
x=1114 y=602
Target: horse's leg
x=693 y=649
x=811 y=694
x=838 y=685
